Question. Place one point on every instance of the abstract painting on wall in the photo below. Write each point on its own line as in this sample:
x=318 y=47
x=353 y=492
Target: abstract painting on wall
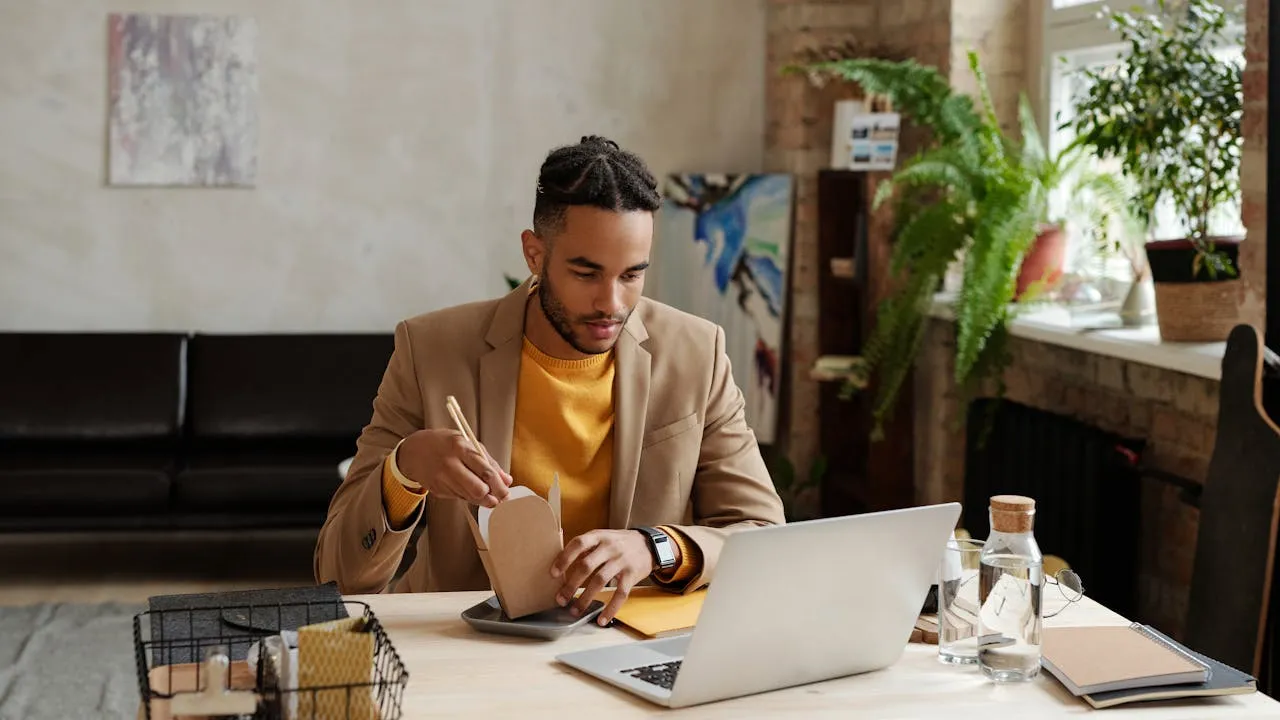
x=183 y=100
x=721 y=252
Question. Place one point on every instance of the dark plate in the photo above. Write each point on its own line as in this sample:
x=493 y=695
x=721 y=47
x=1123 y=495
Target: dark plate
x=547 y=625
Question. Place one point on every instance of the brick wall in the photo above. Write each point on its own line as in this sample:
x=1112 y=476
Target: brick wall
x=1253 y=167
x=798 y=140
x=998 y=30
x=1175 y=412
x=798 y=135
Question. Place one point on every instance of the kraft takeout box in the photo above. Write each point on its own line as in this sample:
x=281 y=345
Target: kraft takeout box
x=518 y=542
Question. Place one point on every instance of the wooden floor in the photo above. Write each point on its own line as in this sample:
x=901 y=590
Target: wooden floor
x=130 y=567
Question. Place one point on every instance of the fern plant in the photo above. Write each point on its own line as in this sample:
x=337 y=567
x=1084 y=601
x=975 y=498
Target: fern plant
x=975 y=192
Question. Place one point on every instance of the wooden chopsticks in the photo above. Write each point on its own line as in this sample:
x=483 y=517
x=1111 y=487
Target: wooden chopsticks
x=460 y=421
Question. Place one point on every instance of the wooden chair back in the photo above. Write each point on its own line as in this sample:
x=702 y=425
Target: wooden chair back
x=1231 y=586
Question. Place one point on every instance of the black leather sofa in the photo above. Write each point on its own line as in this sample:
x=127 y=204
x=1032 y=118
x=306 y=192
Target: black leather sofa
x=173 y=430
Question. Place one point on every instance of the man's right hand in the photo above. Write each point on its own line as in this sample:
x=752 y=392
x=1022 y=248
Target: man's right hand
x=445 y=464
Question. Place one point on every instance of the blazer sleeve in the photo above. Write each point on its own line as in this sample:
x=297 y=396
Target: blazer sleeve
x=359 y=547
x=732 y=488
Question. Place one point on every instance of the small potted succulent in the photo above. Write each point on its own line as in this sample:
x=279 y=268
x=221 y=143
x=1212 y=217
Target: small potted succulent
x=1168 y=110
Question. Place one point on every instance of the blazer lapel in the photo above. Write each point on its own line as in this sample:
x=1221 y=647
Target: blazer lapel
x=500 y=375
x=631 y=403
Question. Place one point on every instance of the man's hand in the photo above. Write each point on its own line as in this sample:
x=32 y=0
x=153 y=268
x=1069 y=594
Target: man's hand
x=593 y=560
x=446 y=465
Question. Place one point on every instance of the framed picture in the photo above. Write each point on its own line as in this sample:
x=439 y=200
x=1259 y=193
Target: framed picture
x=183 y=94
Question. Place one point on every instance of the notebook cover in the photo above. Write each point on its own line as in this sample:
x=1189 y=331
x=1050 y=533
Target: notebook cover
x=1223 y=680
x=654 y=612
x=1097 y=659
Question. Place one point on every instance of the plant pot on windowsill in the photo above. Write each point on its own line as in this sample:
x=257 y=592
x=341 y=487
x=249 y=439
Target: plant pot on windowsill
x=1042 y=266
x=1192 y=306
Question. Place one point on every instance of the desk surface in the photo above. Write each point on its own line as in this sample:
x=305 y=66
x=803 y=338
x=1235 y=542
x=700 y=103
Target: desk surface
x=455 y=671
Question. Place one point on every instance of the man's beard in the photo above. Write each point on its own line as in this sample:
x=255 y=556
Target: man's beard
x=558 y=316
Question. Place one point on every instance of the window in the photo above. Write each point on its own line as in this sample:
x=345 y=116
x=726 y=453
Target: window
x=1074 y=37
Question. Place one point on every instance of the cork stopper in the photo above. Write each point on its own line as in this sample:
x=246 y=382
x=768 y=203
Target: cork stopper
x=1012 y=513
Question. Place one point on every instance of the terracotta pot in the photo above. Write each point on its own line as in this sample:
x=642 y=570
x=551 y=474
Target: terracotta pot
x=1043 y=262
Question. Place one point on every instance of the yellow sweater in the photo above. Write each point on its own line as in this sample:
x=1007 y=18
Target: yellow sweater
x=563 y=424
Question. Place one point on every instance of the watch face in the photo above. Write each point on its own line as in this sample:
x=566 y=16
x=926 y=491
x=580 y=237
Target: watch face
x=661 y=545
x=666 y=556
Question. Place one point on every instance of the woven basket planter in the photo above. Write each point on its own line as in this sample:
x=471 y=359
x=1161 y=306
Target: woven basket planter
x=1191 y=309
x=1197 y=311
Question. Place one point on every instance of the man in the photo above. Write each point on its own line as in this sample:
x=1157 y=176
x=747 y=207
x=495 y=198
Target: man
x=631 y=402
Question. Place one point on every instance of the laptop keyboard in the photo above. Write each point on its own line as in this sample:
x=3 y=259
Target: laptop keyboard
x=661 y=674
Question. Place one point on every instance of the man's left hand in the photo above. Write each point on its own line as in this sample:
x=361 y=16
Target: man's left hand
x=593 y=560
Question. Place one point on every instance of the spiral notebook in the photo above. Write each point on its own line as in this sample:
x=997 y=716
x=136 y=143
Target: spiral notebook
x=1113 y=665
x=1099 y=659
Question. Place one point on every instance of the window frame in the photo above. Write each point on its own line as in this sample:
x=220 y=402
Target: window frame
x=1078 y=30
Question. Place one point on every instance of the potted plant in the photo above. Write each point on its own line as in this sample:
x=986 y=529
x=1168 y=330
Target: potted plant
x=1096 y=203
x=1168 y=111
x=975 y=195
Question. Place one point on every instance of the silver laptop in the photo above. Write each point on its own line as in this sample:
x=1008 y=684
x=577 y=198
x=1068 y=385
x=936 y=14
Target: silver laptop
x=790 y=605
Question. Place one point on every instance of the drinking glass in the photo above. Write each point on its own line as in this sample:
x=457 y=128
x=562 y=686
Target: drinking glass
x=958 y=602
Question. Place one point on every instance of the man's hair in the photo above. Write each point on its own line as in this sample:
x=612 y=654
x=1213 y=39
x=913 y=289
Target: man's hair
x=594 y=172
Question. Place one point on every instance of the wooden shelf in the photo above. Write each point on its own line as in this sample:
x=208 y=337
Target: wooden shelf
x=830 y=368
x=843 y=268
x=854 y=244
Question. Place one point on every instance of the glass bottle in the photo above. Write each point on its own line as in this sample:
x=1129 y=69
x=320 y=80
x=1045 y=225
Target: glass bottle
x=1010 y=589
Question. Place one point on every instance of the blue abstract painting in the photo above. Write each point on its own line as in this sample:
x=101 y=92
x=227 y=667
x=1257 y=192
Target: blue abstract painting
x=722 y=252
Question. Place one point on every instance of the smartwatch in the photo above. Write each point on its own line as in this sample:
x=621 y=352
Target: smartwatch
x=660 y=544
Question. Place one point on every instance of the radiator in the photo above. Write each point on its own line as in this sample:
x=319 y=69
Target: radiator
x=1085 y=483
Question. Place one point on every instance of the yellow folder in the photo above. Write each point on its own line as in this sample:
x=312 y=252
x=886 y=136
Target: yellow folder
x=654 y=612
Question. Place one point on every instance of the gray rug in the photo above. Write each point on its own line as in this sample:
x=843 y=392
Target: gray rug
x=65 y=661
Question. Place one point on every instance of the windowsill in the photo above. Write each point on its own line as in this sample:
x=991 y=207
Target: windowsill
x=1100 y=333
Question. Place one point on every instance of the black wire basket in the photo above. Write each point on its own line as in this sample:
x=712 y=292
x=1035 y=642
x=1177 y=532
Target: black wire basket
x=171 y=647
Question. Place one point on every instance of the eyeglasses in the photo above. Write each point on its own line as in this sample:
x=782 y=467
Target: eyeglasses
x=1069 y=585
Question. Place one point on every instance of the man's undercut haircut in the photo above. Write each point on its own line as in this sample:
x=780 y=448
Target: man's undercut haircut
x=595 y=172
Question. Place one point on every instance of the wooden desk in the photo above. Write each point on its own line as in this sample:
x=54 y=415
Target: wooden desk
x=455 y=671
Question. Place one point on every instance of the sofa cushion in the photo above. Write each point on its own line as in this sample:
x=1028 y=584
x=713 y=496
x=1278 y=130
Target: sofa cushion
x=262 y=477
x=29 y=456
x=90 y=385
x=83 y=478
x=260 y=489
x=283 y=386
x=82 y=491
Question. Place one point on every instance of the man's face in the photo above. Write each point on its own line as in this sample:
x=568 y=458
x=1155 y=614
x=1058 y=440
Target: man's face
x=592 y=274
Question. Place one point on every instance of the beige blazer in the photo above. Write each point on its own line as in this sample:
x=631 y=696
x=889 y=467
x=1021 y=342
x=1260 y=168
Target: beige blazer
x=683 y=453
